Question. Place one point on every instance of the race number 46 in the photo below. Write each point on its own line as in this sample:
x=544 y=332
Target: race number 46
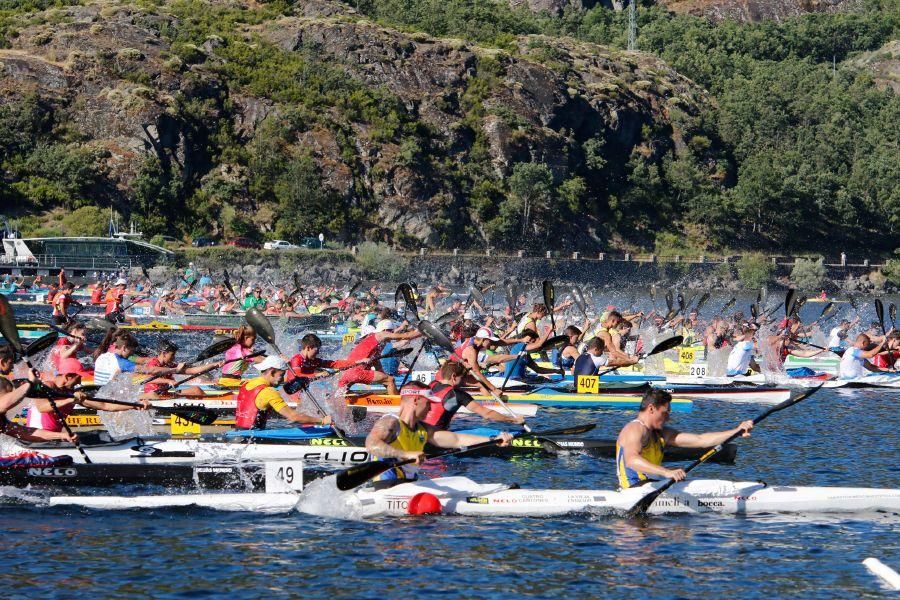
x=284 y=476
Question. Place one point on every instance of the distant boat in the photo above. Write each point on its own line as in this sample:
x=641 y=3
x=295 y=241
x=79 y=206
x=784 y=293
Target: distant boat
x=79 y=256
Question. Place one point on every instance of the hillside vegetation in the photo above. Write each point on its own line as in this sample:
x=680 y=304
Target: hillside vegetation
x=459 y=123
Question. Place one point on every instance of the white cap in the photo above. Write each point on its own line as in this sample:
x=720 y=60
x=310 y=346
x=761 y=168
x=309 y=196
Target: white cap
x=190 y=264
x=271 y=362
x=121 y=281
x=487 y=334
x=385 y=325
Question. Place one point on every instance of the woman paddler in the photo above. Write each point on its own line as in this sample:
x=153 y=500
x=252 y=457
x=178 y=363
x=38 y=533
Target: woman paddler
x=235 y=362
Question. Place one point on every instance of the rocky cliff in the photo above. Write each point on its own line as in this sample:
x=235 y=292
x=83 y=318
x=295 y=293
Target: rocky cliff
x=127 y=89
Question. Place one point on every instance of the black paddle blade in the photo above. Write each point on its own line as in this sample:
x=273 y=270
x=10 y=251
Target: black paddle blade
x=295 y=385
x=579 y=300
x=8 y=324
x=41 y=344
x=701 y=302
x=549 y=295
x=789 y=300
x=446 y=317
x=728 y=305
x=226 y=279
x=407 y=290
x=261 y=325
x=827 y=309
x=215 y=349
x=358 y=475
x=667 y=344
x=511 y=297
x=680 y=298
x=435 y=335
x=754 y=312
x=554 y=342
x=573 y=430
x=879 y=311
x=477 y=295
x=198 y=416
x=669 y=300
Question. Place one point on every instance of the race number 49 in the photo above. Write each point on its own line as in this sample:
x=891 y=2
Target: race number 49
x=284 y=476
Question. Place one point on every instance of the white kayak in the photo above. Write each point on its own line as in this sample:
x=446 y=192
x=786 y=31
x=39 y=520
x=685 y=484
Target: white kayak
x=756 y=379
x=462 y=496
x=140 y=451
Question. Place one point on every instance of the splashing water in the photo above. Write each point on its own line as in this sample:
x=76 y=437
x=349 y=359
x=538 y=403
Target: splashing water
x=323 y=499
x=128 y=423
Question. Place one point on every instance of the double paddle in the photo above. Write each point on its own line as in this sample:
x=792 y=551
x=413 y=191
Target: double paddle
x=641 y=506
x=358 y=475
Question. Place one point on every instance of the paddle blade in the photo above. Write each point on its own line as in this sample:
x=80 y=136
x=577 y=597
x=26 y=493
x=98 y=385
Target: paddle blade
x=702 y=301
x=99 y=324
x=827 y=309
x=435 y=335
x=410 y=299
x=879 y=311
x=669 y=300
x=358 y=475
x=573 y=430
x=554 y=342
x=789 y=300
x=549 y=295
x=214 y=349
x=511 y=297
x=668 y=344
x=477 y=296
x=680 y=298
x=41 y=344
x=261 y=325
x=892 y=312
x=728 y=305
x=653 y=294
x=198 y=416
x=8 y=324
x=446 y=317
x=754 y=312
x=226 y=279
x=579 y=300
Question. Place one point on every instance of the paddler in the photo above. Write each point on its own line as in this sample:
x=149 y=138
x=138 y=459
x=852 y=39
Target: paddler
x=640 y=445
x=594 y=357
x=405 y=434
x=114 y=298
x=61 y=303
x=467 y=353
x=740 y=359
x=165 y=358
x=41 y=414
x=370 y=347
x=10 y=396
x=236 y=363
x=258 y=397
x=446 y=397
x=855 y=361
x=307 y=363
x=115 y=361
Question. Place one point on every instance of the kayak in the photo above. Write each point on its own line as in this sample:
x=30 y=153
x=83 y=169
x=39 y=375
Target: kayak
x=733 y=392
x=246 y=477
x=387 y=403
x=462 y=496
x=312 y=444
x=543 y=396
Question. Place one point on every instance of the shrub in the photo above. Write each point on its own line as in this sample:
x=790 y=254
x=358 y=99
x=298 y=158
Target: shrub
x=891 y=271
x=379 y=261
x=754 y=270
x=808 y=274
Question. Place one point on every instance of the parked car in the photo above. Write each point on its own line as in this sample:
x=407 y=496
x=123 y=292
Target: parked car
x=279 y=245
x=310 y=242
x=243 y=242
x=203 y=242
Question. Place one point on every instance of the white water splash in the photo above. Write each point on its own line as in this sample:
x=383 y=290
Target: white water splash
x=323 y=499
x=129 y=423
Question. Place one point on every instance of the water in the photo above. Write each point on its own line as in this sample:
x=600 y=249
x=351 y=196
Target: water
x=837 y=437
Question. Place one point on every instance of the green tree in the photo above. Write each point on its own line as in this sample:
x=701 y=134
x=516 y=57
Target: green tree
x=808 y=274
x=531 y=191
x=754 y=270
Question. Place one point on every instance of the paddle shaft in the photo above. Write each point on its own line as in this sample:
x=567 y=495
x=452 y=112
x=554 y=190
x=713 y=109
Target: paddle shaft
x=356 y=476
x=644 y=503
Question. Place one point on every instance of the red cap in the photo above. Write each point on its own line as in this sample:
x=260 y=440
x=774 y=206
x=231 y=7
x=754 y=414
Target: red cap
x=424 y=503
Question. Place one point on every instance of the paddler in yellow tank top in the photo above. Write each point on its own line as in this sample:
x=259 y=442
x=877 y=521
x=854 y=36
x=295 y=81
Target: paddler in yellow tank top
x=404 y=436
x=641 y=443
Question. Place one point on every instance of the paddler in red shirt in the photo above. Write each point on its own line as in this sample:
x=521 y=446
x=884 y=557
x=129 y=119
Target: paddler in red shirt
x=114 y=297
x=369 y=347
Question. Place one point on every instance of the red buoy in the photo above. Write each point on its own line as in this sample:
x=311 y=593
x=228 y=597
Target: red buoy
x=424 y=503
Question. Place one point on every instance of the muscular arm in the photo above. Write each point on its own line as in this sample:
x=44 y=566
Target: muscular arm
x=470 y=356
x=449 y=439
x=30 y=434
x=297 y=417
x=702 y=440
x=491 y=415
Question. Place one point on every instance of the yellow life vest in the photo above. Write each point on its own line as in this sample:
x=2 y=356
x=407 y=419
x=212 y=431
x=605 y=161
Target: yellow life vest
x=652 y=452
x=408 y=440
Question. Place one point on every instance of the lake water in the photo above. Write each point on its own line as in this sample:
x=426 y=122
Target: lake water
x=837 y=437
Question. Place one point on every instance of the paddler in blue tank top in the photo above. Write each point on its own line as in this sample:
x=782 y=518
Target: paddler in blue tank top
x=594 y=357
x=640 y=446
x=405 y=434
x=527 y=341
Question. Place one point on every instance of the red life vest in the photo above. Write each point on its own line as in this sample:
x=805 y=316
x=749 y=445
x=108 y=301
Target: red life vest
x=458 y=351
x=436 y=398
x=246 y=414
